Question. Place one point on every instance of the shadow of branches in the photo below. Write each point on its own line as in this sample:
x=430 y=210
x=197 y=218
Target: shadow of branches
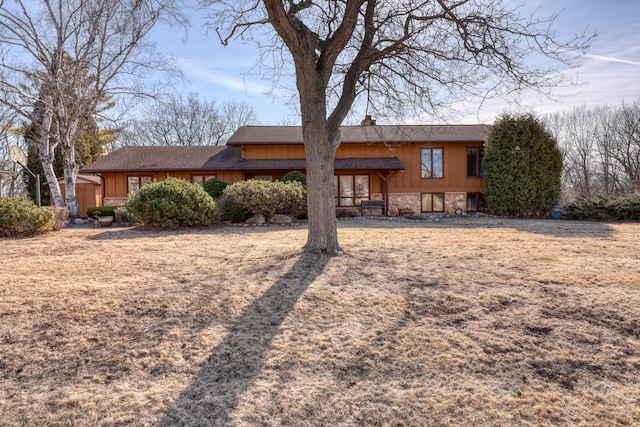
x=235 y=362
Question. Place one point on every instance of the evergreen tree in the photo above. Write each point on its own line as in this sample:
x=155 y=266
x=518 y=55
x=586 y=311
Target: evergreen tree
x=523 y=167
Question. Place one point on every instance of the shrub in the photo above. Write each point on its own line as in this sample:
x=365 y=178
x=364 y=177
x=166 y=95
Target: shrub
x=214 y=187
x=268 y=198
x=295 y=176
x=230 y=211
x=604 y=208
x=120 y=215
x=19 y=217
x=104 y=211
x=172 y=204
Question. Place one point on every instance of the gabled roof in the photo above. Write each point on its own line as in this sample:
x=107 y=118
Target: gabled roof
x=154 y=159
x=389 y=134
x=84 y=179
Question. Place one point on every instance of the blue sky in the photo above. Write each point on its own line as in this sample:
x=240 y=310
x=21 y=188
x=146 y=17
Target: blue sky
x=608 y=74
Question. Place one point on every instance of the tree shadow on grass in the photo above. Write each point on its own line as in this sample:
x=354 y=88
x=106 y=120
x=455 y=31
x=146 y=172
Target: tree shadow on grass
x=131 y=233
x=547 y=227
x=235 y=363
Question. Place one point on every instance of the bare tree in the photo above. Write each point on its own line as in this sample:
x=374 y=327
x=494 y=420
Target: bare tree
x=236 y=114
x=601 y=149
x=410 y=54
x=580 y=159
x=625 y=143
x=180 y=120
x=65 y=60
x=611 y=177
x=10 y=183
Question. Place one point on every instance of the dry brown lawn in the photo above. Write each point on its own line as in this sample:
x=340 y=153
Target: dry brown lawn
x=468 y=322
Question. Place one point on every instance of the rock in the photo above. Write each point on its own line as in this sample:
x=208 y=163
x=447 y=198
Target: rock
x=281 y=219
x=78 y=221
x=256 y=219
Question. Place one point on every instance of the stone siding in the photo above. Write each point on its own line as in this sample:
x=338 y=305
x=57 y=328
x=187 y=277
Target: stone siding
x=453 y=201
x=114 y=201
x=409 y=201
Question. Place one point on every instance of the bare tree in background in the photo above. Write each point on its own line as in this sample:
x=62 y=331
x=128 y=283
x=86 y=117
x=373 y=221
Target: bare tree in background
x=576 y=129
x=65 y=60
x=602 y=149
x=413 y=55
x=626 y=143
x=10 y=182
x=187 y=120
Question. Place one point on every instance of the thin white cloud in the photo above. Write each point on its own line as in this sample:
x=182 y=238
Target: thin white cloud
x=609 y=59
x=201 y=72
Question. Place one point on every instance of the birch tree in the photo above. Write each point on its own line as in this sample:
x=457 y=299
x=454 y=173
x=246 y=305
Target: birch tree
x=62 y=61
x=416 y=55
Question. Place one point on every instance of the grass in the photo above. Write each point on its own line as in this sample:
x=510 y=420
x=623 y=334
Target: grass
x=463 y=322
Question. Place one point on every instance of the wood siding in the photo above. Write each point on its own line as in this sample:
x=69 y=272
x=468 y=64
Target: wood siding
x=115 y=183
x=345 y=151
x=455 y=171
x=454 y=178
x=408 y=181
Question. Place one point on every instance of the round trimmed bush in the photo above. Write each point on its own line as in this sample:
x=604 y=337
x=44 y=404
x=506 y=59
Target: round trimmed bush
x=214 y=187
x=20 y=217
x=172 y=204
x=295 y=176
x=268 y=198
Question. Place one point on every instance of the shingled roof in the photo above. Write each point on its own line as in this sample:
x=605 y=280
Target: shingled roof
x=390 y=134
x=161 y=159
x=183 y=158
x=230 y=159
x=155 y=159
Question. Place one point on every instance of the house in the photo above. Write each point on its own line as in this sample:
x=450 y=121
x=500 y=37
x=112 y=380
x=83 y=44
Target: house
x=415 y=168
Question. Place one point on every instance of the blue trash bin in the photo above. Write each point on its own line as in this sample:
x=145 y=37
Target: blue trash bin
x=556 y=212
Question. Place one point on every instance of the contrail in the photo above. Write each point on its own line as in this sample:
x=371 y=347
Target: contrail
x=610 y=59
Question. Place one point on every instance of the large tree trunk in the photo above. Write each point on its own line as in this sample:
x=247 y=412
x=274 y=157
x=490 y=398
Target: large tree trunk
x=46 y=158
x=320 y=151
x=68 y=137
x=47 y=154
x=70 y=174
x=322 y=236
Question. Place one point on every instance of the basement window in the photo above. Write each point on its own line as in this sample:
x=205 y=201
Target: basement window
x=432 y=202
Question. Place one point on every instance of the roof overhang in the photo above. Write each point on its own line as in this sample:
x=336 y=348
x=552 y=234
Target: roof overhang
x=235 y=163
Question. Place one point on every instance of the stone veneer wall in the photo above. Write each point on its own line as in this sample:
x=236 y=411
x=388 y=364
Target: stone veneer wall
x=404 y=201
x=453 y=201
x=114 y=201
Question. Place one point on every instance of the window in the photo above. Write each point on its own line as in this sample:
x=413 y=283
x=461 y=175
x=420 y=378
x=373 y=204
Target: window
x=432 y=163
x=201 y=179
x=473 y=202
x=134 y=183
x=475 y=162
x=433 y=202
x=350 y=190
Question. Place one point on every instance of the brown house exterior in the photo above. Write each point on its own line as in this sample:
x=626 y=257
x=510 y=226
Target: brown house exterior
x=416 y=168
x=88 y=192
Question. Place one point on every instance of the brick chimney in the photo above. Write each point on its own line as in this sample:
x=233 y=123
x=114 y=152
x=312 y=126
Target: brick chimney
x=368 y=121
